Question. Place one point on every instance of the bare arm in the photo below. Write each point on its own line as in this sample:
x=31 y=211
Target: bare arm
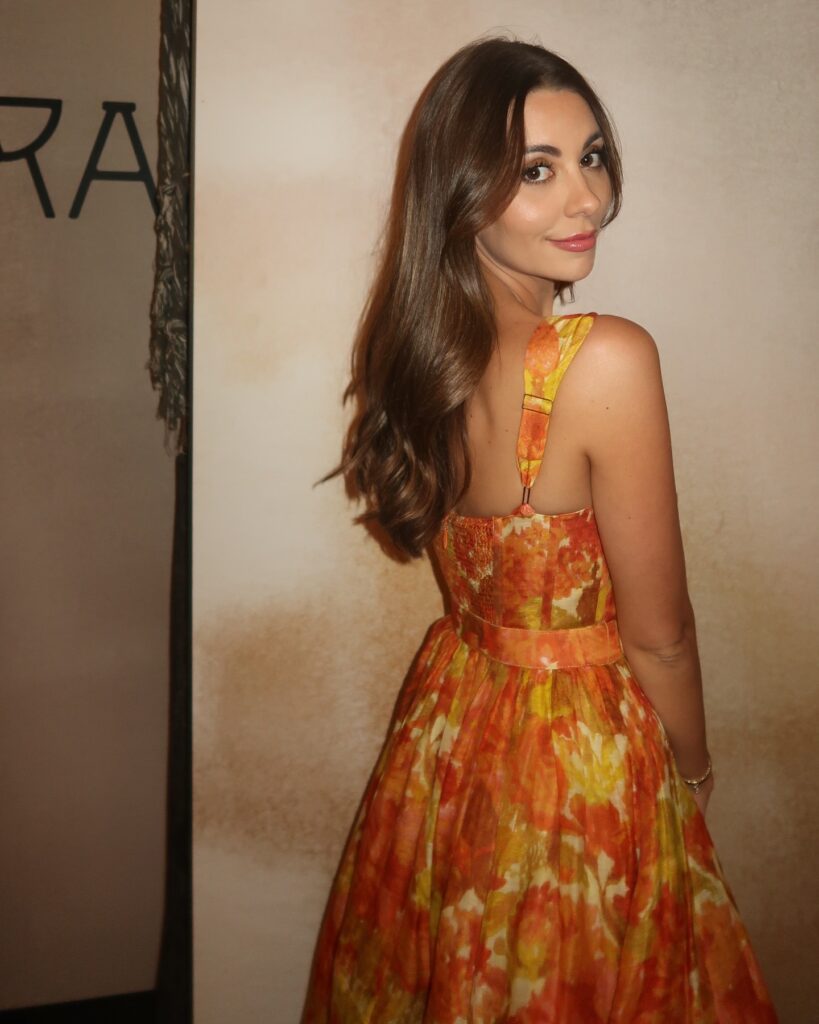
x=635 y=503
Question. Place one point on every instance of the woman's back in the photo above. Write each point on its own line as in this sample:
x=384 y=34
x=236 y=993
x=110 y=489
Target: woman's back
x=608 y=448
x=493 y=416
x=524 y=584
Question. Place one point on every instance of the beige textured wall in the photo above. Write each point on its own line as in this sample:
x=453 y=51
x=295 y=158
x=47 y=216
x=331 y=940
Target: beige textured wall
x=303 y=630
x=86 y=507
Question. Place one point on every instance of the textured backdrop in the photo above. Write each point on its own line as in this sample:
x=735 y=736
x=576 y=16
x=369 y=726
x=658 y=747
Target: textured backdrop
x=303 y=630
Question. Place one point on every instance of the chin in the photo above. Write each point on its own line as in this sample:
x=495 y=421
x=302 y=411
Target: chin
x=575 y=273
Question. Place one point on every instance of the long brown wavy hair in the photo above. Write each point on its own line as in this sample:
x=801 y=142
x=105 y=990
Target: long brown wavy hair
x=427 y=329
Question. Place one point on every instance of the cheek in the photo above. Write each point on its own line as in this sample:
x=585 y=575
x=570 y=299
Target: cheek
x=526 y=215
x=529 y=212
x=605 y=190
x=522 y=223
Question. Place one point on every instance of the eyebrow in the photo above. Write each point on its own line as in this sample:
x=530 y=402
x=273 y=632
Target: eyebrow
x=554 y=151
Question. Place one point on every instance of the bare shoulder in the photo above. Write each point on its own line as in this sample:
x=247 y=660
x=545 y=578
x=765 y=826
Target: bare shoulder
x=620 y=343
x=618 y=357
x=615 y=377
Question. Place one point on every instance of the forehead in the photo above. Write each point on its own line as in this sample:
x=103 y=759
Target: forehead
x=558 y=117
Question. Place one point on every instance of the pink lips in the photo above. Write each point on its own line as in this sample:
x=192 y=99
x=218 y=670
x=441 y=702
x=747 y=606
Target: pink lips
x=576 y=243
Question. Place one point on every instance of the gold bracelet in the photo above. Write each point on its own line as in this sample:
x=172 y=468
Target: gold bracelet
x=695 y=784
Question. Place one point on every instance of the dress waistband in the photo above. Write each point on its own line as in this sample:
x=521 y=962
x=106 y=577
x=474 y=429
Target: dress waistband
x=598 y=644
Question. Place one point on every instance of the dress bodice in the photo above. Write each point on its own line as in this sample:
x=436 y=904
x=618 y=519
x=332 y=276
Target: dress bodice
x=528 y=570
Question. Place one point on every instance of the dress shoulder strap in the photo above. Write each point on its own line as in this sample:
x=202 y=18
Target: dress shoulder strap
x=549 y=352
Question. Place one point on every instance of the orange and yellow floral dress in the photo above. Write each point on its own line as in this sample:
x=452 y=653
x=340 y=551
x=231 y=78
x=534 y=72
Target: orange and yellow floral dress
x=526 y=851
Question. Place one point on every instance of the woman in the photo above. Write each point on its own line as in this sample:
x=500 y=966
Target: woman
x=531 y=845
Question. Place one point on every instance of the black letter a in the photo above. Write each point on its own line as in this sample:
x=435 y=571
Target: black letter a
x=92 y=171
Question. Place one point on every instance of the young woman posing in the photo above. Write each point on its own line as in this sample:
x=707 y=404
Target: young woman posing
x=531 y=846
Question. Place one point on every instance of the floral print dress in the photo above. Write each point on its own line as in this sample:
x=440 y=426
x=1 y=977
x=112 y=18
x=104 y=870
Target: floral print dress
x=525 y=850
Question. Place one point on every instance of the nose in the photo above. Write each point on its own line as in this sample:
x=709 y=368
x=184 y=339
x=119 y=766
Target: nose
x=581 y=198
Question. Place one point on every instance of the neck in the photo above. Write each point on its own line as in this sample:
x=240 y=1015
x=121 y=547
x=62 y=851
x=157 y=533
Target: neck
x=536 y=294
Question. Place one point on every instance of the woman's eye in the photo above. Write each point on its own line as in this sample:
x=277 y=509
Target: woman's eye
x=598 y=155
x=532 y=173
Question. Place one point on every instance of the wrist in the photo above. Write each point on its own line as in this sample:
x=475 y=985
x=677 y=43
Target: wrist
x=695 y=782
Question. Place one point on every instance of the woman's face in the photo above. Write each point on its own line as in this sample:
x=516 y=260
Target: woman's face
x=564 y=191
